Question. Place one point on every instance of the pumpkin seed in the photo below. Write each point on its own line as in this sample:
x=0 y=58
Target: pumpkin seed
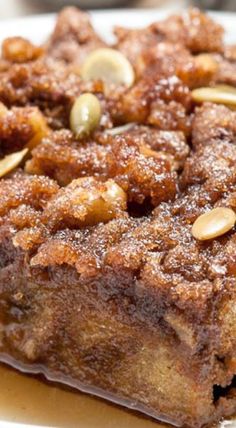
x=108 y=65
x=213 y=223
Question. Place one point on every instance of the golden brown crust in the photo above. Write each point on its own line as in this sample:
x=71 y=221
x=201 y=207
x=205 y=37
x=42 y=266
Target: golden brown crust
x=73 y=37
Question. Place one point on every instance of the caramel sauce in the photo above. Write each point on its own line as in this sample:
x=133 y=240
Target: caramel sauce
x=29 y=400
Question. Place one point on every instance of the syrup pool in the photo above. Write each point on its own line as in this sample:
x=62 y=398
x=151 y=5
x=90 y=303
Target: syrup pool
x=27 y=399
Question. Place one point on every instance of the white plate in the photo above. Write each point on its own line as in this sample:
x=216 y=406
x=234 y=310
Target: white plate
x=38 y=27
x=23 y=400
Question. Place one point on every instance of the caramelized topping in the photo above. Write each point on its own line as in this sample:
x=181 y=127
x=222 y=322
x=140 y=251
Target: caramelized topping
x=39 y=128
x=19 y=50
x=160 y=155
x=207 y=62
x=86 y=202
x=3 y=110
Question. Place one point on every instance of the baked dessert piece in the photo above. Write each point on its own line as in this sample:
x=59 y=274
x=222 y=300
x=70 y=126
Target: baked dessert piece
x=118 y=246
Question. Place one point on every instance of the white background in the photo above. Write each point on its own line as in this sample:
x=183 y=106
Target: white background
x=14 y=8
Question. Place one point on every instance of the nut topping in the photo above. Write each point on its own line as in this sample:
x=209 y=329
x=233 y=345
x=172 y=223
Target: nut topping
x=9 y=162
x=85 y=114
x=120 y=129
x=213 y=223
x=220 y=94
x=108 y=65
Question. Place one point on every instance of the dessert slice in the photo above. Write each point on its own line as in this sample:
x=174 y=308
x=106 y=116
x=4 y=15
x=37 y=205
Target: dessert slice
x=134 y=310
x=117 y=215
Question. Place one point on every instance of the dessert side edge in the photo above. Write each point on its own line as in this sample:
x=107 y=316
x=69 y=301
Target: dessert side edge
x=118 y=211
